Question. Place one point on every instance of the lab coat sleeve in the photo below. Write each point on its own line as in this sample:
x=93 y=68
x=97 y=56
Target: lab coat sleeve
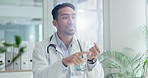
x=41 y=68
x=96 y=71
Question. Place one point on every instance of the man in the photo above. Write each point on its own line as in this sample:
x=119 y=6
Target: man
x=53 y=56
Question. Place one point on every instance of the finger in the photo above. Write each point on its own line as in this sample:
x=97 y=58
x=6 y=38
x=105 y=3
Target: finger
x=79 y=58
x=90 y=50
x=75 y=62
x=96 y=46
x=95 y=52
x=82 y=53
x=90 y=56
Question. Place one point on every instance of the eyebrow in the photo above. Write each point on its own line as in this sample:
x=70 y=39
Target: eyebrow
x=67 y=14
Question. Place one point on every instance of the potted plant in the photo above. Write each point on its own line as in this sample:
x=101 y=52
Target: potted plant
x=16 y=44
x=118 y=65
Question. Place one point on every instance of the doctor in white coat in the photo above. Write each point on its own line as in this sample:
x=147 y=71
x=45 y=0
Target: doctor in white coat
x=53 y=56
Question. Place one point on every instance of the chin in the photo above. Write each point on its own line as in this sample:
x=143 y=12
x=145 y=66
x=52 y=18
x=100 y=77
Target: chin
x=70 y=33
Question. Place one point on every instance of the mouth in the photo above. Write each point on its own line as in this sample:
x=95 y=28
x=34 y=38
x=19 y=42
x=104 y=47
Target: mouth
x=71 y=27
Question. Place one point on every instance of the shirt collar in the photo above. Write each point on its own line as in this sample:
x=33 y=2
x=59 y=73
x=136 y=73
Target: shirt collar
x=59 y=41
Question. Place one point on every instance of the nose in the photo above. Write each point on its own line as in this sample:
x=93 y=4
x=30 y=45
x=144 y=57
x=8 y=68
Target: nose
x=71 y=20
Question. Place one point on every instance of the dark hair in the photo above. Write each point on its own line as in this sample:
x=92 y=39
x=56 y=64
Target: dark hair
x=59 y=6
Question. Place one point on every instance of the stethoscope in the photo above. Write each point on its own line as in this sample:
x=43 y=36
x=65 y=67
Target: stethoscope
x=54 y=46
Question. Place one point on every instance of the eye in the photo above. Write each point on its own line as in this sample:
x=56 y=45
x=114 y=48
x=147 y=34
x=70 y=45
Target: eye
x=65 y=17
x=74 y=17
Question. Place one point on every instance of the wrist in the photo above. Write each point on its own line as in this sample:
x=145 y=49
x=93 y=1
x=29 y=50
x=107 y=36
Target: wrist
x=92 y=61
x=64 y=63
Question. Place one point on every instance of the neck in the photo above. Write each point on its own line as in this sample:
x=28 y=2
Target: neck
x=66 y=39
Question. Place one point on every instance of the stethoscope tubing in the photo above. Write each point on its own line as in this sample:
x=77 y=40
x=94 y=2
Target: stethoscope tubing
x=54 y=46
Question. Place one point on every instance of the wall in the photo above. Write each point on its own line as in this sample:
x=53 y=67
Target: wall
x=122 y=21
x=48 y=27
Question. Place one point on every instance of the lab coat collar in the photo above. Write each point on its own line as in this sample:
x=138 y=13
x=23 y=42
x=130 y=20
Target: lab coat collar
x=75 y=45
x=54 y=42
x=60 y=43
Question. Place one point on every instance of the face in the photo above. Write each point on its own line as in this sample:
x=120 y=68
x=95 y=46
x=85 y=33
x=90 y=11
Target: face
x=66 y=21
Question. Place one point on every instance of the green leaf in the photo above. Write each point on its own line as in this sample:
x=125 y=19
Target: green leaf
x=21 y=51
x=5 y=45
x=117 y=62
x=3 y=49
x=18 y=40
x=8 y=44
x=146 y=62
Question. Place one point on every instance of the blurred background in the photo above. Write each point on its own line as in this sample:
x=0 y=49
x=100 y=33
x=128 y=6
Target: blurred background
x=114 y=24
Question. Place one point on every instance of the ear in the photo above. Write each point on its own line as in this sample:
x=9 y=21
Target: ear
x=54 y=22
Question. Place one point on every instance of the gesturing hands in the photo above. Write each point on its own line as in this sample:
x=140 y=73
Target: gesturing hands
x=77 y=59
x=94 y=52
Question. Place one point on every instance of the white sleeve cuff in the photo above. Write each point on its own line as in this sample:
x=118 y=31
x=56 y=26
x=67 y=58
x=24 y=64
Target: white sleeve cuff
x=91 y=66
x=64 y=68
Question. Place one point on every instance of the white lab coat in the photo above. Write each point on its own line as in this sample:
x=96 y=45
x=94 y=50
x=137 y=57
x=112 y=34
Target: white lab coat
x=49 y=65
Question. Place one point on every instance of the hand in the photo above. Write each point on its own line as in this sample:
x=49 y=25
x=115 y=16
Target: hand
x=94 y=52
x=75 y=59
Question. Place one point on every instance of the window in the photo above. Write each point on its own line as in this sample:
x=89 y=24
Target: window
x=21 y=17
x=90 y=21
